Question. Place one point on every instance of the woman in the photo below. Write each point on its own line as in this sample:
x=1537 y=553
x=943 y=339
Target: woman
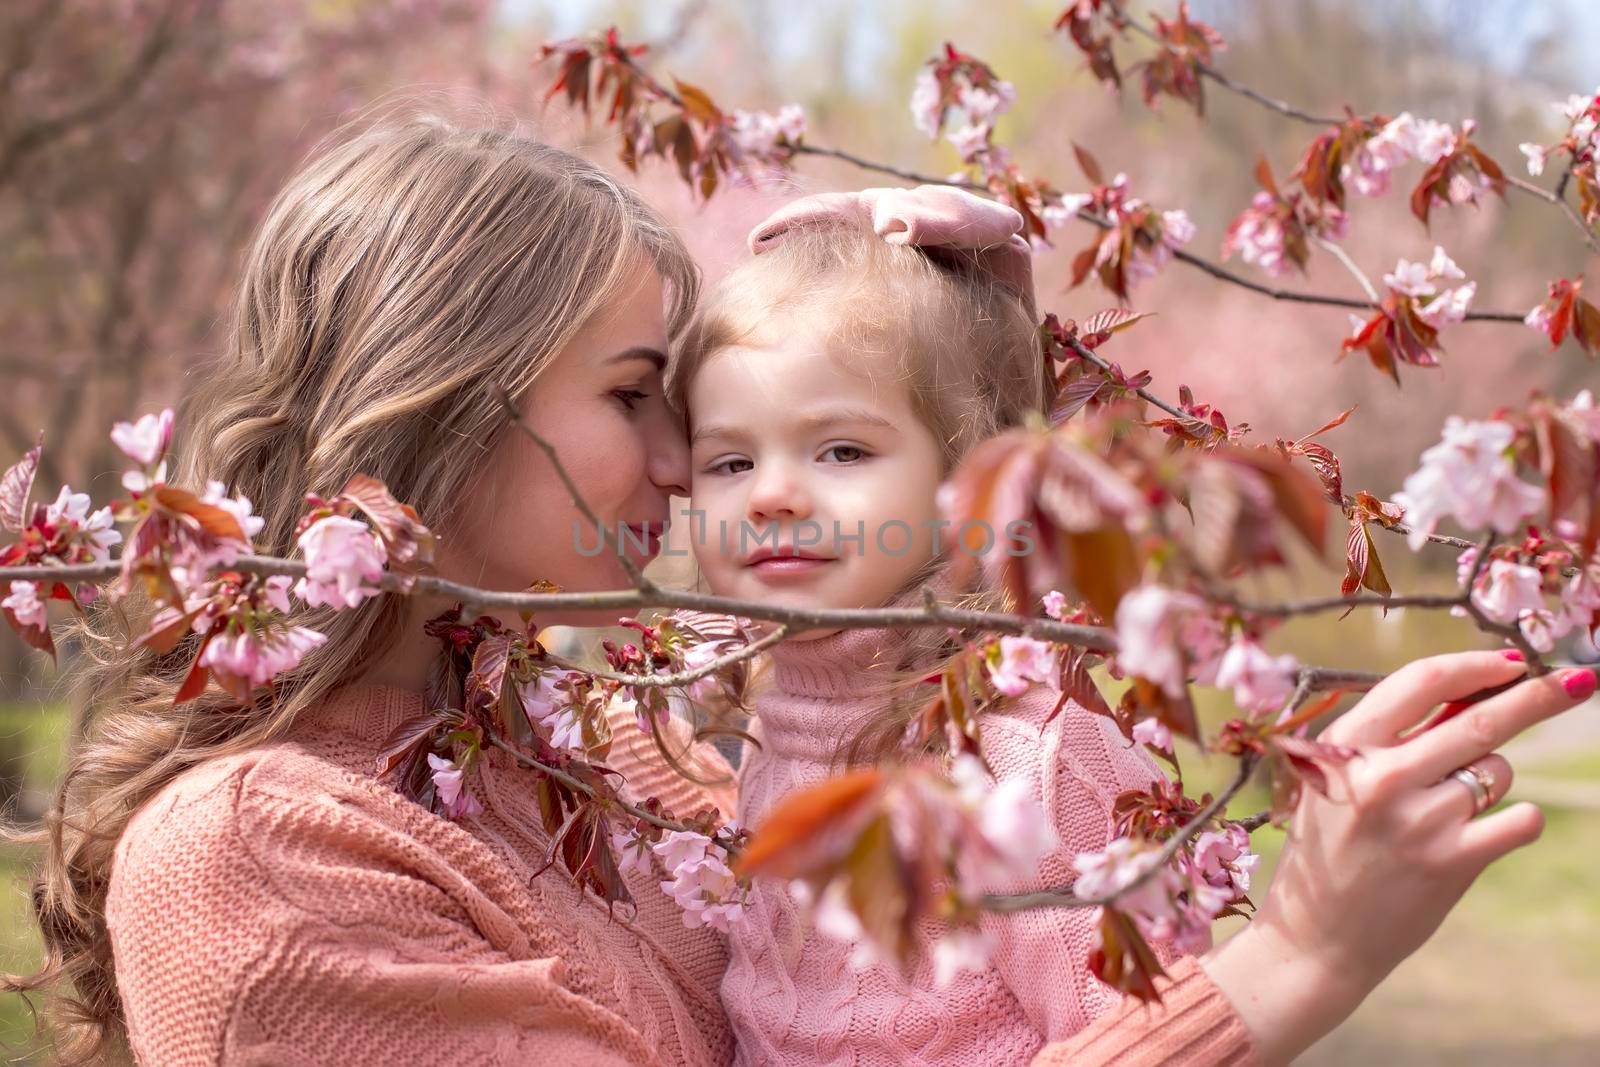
x=227 y=885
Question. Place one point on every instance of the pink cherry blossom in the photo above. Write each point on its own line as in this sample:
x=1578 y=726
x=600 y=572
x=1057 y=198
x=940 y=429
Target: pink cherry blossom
x=1468 y=477
x=983 y=105
x=1587 y=412
x=1449 y=306
x=698 y=657
x=1055 y=604
x=758 y=132
x=1149 y=623
x=259 y=658
x=1542 y=628
x=700 y=880
x=1536 y=157
x=1023 y=661
x=344 y=561
x=146 y=440
x=1059 y=212
x=450 y=783
x=1581 y=597
x=632 y=850
x=1412 y=279
x=1111 y=872
x=1508 y=589
x=1015 y=825
x=970 y=140
x=1260 y=681
x=25 y=604
x=1153 y=732
x=1223 y=859
x=1425 y=139
x=1176 y=227
x=1257 y=236
x=239 y=507
x=275 y=590
x=96 y=532
x=1541 y=318
x=1369 y=171
x=927 y=107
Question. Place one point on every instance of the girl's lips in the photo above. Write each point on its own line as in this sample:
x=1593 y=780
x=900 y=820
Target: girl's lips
x=778 y=568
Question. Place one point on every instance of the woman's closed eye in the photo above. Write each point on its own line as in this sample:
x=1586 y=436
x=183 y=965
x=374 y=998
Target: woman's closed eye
x=629 y=398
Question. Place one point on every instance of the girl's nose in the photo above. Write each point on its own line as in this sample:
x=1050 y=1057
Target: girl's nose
x=777 y=492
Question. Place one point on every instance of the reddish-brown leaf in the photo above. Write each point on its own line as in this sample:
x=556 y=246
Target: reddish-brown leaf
x=1112 y=320
x=785 y=846
x=194 y=683
x=1326 y=464
x=16 y=485
x=1089 y=165
x=406 y=539
x=215 y=521
x=881 y=892
x=35 y=636
x=1123 y=960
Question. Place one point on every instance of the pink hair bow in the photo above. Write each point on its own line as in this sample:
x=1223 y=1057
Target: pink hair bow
x=929 y=217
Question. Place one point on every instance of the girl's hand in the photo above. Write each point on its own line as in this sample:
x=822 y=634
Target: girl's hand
x=1369 y=873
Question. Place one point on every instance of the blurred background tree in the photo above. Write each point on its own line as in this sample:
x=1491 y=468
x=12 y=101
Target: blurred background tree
x=140 y=140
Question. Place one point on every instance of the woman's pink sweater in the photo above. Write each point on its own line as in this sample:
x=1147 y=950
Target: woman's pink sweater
x=285 y=907
x=790 y=992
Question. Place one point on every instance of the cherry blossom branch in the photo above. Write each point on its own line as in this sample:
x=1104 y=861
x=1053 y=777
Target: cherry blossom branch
x=883 y=168
x=577 y=785
x=1065 y=898
x=1334 y=250
x=935 y=615
x=1223 y=274
x=1216 y=270
x=682 y=678
x=1300 y=114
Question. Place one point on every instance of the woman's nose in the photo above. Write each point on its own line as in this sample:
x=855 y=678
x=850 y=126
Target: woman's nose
x=668 y=464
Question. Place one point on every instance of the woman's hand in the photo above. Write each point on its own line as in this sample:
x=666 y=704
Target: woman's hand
x=1369 y=873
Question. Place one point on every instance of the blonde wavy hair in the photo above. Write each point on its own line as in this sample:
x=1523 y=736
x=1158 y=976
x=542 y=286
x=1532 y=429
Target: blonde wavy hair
x=409 y=273
x=965 y=345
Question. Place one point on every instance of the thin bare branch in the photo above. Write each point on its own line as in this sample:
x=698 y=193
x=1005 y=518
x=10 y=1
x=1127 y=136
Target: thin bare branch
x=678 y=679
x=635 y=575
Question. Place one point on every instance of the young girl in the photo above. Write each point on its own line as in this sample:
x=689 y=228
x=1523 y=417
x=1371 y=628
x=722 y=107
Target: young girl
x=831 y=383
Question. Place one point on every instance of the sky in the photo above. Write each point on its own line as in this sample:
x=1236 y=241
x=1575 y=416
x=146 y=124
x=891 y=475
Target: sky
x=1501 y=33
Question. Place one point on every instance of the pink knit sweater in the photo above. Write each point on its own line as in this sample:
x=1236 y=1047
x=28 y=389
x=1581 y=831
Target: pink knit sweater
x=793 y=998
x=284 y=907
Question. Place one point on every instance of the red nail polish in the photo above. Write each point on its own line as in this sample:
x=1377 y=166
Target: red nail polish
x=1513 y=655
x=1579 y=684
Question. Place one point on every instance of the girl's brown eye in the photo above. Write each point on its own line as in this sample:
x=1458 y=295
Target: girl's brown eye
x=850 y=453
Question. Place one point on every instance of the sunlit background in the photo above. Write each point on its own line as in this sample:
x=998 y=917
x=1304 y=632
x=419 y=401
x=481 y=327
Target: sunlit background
x=140 y=140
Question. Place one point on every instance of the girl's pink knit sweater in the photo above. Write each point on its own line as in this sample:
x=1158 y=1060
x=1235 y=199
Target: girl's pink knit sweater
x=794 y=999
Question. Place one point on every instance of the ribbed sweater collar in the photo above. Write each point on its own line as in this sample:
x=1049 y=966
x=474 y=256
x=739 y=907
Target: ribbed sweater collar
x=367 y=712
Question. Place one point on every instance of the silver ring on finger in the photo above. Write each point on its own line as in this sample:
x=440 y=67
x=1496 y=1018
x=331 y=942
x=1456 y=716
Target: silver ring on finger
x=1479 y=782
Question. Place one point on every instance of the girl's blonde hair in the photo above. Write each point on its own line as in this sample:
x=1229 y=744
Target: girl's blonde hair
x=408 y=275
x=963 y=343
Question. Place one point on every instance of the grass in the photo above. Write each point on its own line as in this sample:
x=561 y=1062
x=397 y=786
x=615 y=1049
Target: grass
x=37 y=737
